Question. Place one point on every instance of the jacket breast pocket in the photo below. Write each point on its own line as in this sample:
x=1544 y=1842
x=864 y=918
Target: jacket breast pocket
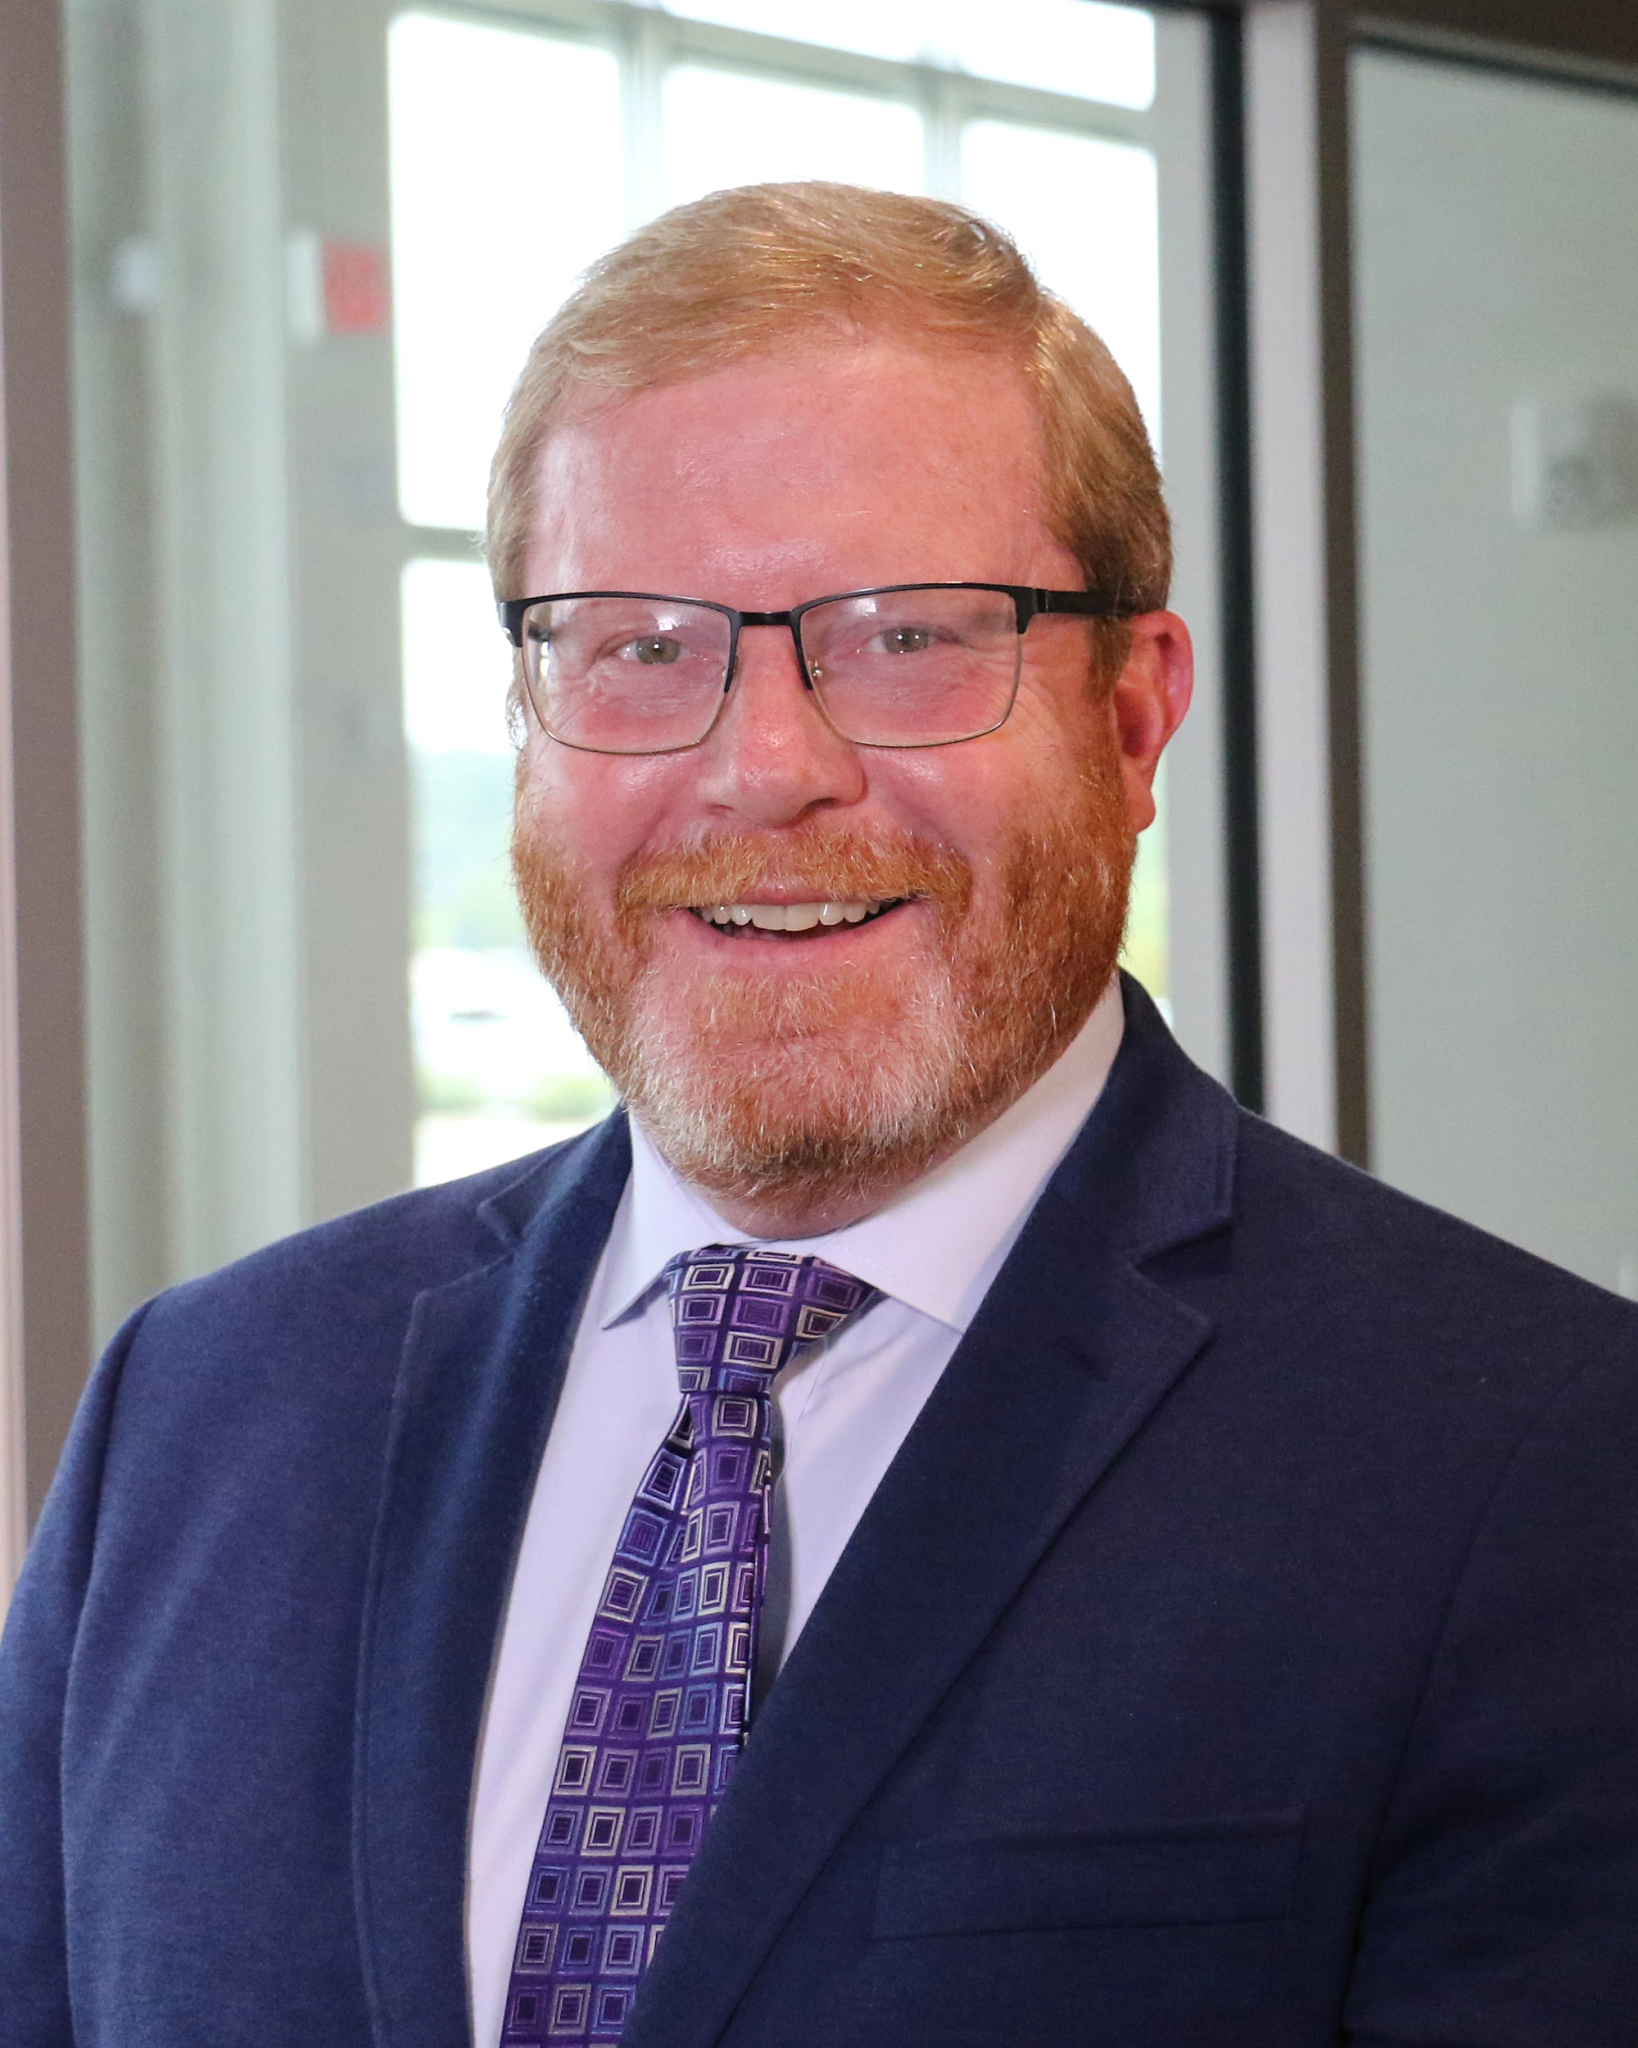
x=1201 y=1873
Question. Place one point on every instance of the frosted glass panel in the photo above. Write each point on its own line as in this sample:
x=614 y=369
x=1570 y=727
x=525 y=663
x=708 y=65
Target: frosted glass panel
x=1086 y=211
x=1497 y=288
x=732 y=128
x=506 y=182
x=1078 y=47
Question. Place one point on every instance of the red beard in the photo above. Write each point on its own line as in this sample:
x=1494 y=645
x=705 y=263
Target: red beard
x=822 y=1088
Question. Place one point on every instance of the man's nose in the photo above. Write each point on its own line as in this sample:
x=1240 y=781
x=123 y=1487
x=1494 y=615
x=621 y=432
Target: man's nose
x=773 y=756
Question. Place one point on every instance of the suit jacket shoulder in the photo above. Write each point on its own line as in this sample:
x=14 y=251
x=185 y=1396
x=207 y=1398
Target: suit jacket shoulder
x=181 y=1667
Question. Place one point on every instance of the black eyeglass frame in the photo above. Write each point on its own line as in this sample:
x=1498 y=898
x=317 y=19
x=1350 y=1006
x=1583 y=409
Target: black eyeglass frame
x=1028 y=603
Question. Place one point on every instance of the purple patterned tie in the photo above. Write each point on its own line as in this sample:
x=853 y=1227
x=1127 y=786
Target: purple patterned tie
x=661 y=1702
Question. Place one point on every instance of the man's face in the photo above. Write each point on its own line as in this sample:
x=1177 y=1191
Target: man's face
x=816 y=1068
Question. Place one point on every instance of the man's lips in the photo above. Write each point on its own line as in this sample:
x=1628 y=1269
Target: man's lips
x=817 y=916
x=743 y=888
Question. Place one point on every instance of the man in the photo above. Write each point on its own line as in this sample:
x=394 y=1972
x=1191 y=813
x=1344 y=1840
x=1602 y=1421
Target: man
x=1199 y=1605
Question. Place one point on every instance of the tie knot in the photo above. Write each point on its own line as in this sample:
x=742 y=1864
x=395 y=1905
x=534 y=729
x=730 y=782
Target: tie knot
x=739 y=1313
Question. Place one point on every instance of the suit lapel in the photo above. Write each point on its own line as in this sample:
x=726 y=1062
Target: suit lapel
x=1072 y=1351
x=478 y=1381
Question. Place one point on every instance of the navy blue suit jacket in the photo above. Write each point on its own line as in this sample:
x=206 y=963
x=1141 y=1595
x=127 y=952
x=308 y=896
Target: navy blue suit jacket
x=1242 y=1649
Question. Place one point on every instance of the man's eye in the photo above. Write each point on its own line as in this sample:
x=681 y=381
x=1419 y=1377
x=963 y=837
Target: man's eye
x=654 y=650
x=906 y=640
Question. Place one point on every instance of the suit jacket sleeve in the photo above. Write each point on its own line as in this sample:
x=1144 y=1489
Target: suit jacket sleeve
x=36 y=1658
x=1502 y=1913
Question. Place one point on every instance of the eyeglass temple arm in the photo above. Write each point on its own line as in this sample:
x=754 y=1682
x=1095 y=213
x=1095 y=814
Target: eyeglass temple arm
x=1086 y=604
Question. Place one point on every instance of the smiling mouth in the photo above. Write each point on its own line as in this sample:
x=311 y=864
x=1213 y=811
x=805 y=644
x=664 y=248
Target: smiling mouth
x=805 y=918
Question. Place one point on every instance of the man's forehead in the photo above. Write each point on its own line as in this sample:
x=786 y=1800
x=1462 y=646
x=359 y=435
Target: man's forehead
x=867 y=428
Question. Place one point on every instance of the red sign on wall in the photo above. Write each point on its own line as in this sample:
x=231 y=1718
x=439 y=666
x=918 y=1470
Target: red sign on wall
x=355 y=287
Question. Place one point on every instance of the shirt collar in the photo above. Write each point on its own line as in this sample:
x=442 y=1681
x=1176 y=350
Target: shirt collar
x=938 y=1246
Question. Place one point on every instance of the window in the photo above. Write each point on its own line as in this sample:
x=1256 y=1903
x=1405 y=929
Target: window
x=307 y=267
x=518 y=154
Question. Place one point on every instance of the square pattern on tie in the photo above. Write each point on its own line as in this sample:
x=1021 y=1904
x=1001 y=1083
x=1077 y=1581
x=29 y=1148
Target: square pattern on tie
x=658 y=1715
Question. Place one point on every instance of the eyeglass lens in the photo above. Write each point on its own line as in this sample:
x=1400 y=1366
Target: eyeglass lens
x=903 y=668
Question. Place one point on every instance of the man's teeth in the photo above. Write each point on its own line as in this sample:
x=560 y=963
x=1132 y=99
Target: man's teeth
x=791 y=917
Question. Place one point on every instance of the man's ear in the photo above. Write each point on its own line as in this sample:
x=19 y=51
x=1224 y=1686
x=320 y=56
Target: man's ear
x=1147 y=704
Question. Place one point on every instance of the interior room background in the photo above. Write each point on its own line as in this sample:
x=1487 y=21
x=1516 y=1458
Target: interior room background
x=1375 y=283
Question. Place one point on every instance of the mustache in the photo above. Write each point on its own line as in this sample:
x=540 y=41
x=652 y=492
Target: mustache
x=816 y=866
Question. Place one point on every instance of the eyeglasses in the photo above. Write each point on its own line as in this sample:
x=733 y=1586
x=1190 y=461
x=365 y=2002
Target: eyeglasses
x=906 y=665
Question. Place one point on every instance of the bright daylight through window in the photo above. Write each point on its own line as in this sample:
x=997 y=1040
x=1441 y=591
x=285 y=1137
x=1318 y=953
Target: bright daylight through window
x=518 y=154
